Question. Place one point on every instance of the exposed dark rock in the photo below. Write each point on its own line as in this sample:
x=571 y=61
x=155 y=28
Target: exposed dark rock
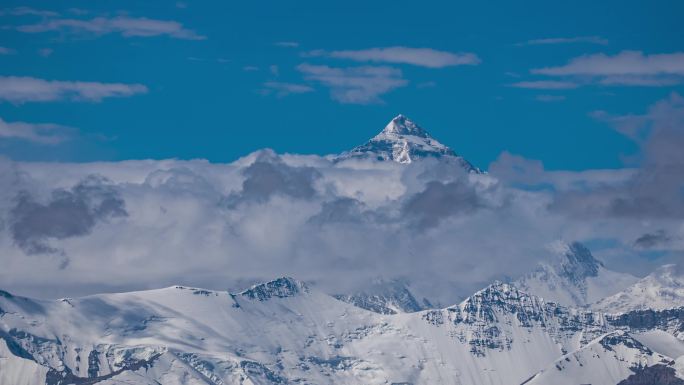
x=653 y=375
x=279 y=288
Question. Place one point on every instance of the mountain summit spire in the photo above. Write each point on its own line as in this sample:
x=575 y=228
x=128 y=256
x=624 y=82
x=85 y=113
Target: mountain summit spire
x=404 y=141
x=401 y=125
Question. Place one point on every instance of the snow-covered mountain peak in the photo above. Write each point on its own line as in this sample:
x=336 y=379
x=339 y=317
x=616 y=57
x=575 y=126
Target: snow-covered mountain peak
x=403 y=141
x=608 y=359
x=278 y=288
x=401 y=125
x=662 y=289
x=499 y=297
x=574 y=261
x=573 y=276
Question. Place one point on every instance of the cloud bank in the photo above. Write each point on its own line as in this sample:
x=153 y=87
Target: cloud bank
x=70 y=229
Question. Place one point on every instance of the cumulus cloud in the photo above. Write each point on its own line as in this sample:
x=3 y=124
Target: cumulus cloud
x=652 y=240
x=423 y=57
x=269 y=176
x=337 y=224
x=656 y=189
x=355 y=85
x=334 y=223
x=566 y=40
x=40 y=133
x=68 y=213
x=124 y=25
x=16 y=89
x=518 y=170
x=441 y=200
x=628 y=68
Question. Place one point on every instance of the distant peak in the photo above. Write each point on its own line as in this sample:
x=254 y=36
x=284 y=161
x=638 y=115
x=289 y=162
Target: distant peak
x=575 y=261
x=401 y=125
x=403 y=141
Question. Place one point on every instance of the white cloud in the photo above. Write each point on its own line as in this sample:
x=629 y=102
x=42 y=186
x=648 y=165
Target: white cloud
x=27 y=89
x=265 y=215
x=49 y=134
x=6 y=51
x=124 y=25
x=156 y=223
x=356 y=85
x=283 y=89
x=628 y=68
x=424 y=57
x=545 y=85
x=28 y=11
x=566 y=40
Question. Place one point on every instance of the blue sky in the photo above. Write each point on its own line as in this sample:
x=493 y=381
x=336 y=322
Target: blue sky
x=219 y=79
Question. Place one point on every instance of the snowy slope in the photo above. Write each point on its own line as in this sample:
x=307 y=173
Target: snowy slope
x=403 y=141
x=284 y=332
x=662 y=289
x=18 y=370
x=607 y=360
x=573 y=277
x=662 y=342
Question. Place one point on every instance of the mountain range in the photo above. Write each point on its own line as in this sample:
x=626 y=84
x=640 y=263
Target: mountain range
x=286 y=332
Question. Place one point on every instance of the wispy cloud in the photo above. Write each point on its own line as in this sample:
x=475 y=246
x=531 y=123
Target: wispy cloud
x=628 y=68
x=566 y=40
x=545 y=85
x=27 y=89
x=356 y=85
x=287 y=44
x=549 y=98
x=28 y=11
x=283 y=89
x=49 y=134
x=123 y=25
x=6 y=51
x=423 y=57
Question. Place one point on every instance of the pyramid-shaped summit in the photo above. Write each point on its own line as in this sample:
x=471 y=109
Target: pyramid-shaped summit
x=403 y=141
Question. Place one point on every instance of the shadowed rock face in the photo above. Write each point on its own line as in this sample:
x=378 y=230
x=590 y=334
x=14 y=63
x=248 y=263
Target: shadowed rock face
x=279 y=288
x=579 y=263
x=670 y=319
x=654 y=375
x=386 y=297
